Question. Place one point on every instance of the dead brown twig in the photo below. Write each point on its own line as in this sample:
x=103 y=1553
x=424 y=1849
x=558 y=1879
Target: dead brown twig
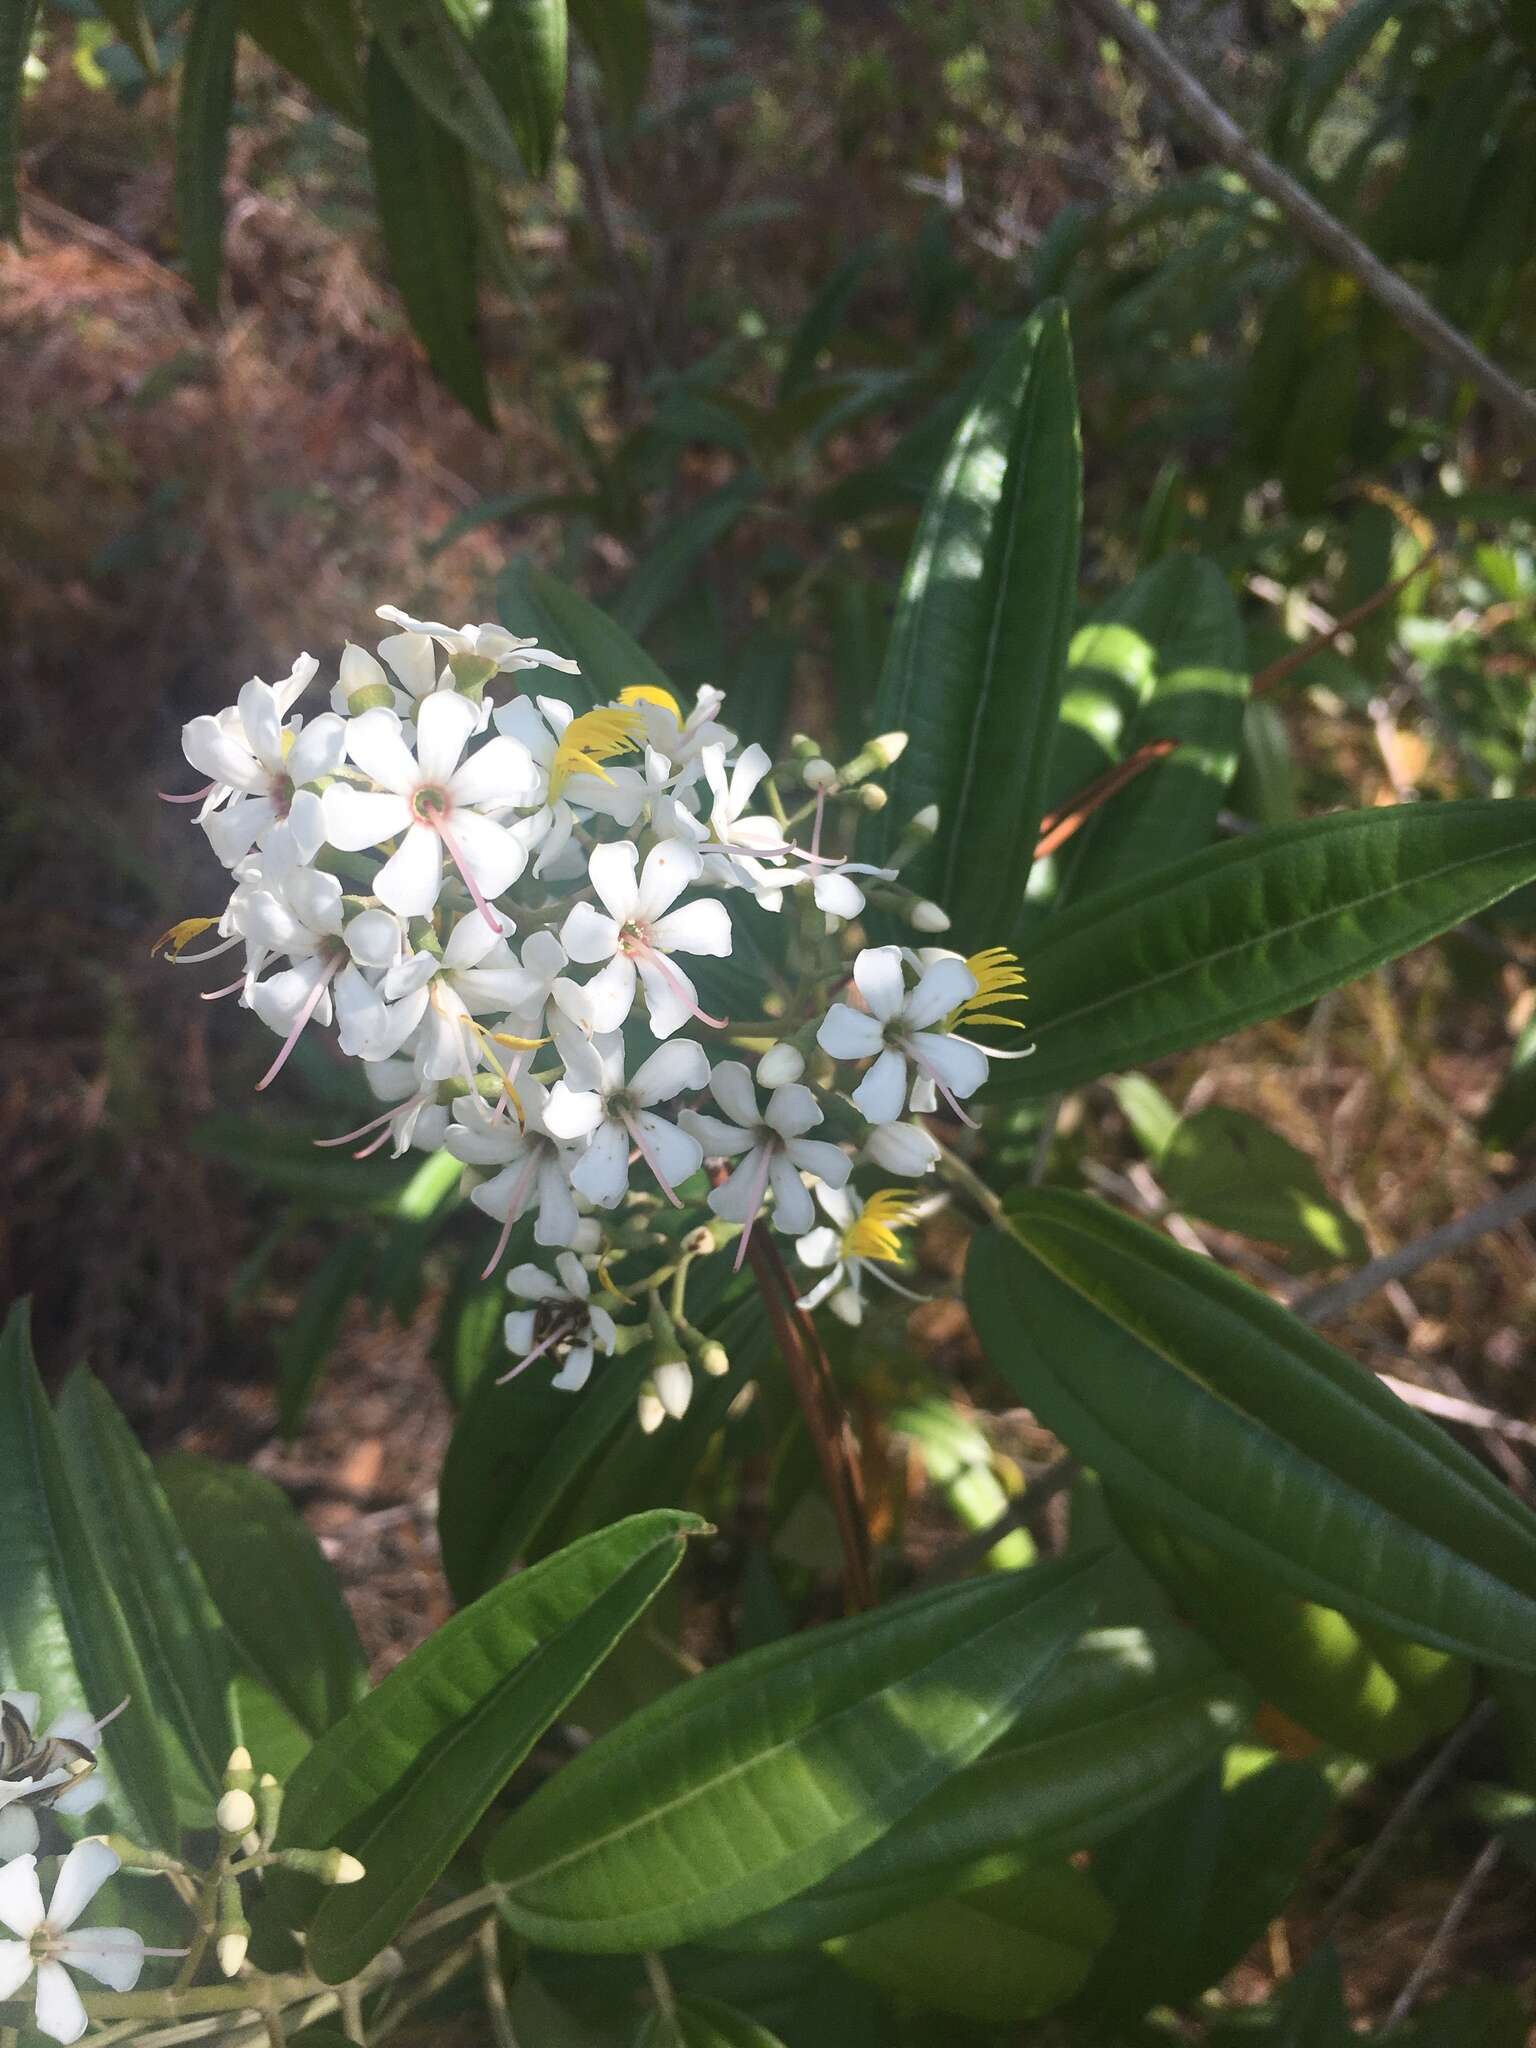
x=1287 y=665
x=1057 y=827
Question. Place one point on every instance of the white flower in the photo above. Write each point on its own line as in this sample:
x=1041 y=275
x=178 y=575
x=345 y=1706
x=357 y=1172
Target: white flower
x=437 y=803
x=775 y=1148
x=413 y=659
x=898 y=1028
x=740 y=845
x=566 y=1319
x=435 y=997
x=264 y=765
x=506 y=651
x=905 y=1149
x=533 y=1165
x=615 y=1114
x=637 y=936
x=680 y=741
x=114 y=1956
x=565 y=780
x=862 y=1238
x=56 y=1768
x=528 y=984
x=414 y=1116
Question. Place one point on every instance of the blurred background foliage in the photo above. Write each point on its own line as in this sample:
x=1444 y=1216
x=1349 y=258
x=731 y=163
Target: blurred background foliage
x=299 y=322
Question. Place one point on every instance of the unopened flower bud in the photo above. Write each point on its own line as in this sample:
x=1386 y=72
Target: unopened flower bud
x=236 y=1813
x=648 y=1410
x=927 y=917
x=818 y=773
x=330 y=1866
x=471 y=673
x=674 y=1387
x=872 y=797
x=714 y=1359
x=881 y=752
x=779 y=1064
x=903 y=1149
x=371 y=697
x=269 y=1804
x=239 y=1772
x=234 y=1933
x=698 y=1242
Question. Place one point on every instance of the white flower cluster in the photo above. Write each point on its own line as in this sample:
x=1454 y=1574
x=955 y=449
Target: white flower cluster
x=494 y=905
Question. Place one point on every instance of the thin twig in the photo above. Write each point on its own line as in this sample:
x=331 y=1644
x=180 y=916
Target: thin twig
x=497 y=2005
x=1325 y=1303
x=1445 y=1933
x=1401 y=1817
x=1058 y=826
x=1454 y=1409
x=1311 y=221
x=1330 y=629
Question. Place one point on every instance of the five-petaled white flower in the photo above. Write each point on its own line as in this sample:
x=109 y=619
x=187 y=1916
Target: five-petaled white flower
x=898 y=1027
x=55 y=1768
x=637 y=936
x=508 y=652
x=613 y=1114
x=862 y=1237
x=534 y=1166
x=566 y=1319
x=263 y=765
x=775 y=1147
x=49 y=1944
x=438 y=804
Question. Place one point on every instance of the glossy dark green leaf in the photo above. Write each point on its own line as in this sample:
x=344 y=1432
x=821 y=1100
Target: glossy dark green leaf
x=1173 y=642
x=618 y=33
x=430 y=53
x=1254 y=928
x=1127 y=1717
x=973 y=671
x=1351 y=1685
x=315 y=40
x=282 y=1607
x=171 y=1618
x=17 y=18
x=703 y=2023
x=422 y=184
x=1227 y=1168
x=530 y=600
x=1212 y=1408
x=405 y=1776
x=520 y=46
x=202 y=140
x=998 y=1955
x=761 y=1777
x=63 y=1634
x=1195 y=1884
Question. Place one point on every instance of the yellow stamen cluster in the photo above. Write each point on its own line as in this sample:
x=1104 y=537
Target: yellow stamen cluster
x=590 y=740
x=181 y=935
x=999 y=979
x=652 y=693
x=872 y=1235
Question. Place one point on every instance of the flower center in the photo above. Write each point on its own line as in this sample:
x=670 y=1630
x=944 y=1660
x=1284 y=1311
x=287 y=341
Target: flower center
x=635 y=937
x=282 y=794
x=429 y=804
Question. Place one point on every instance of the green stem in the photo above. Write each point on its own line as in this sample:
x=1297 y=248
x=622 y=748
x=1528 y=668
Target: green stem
x=965 y=1177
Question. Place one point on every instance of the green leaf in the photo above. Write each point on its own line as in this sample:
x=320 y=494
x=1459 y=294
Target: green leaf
x=520 y=46
x=62 y=1633
x=1351 y=1685
x=1226 y=1167
x=173 y=1623
x=998 y=1955
x=1127 y=1717
x=435 y=64
x=16 y=22
x=315 y=1325
x=661 y=575
x=281 y=1604
x=822 y=318
x=1512 y=1111
x=402 y=1780
x=1313 y=2012
x=763 y=1776
x=1255 y=928
x=973 y=671
x=1174 y=643
x=1195 y=1884
x=618 y=33
x=1217 y=1411
x=530 y=600
x=421 y=181
x=202 y=140
x=703 y=2023
x=315 y=40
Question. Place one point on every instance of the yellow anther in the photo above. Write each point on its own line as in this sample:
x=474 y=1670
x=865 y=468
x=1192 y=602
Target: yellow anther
x=181 y=935
x=999 y=979
x=590 y=740
x=872 y=1235
x=652 y=693
x=517 y=1044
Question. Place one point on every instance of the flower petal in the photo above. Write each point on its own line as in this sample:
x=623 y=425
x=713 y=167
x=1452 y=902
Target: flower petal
x=793 y=1209
x=58 y=2012
x=356 y=819
x=444 y=723
x=670 y=1071
x=501 y=772
x=829 y=1163
x=878 y=977
x=318 y=749
x=601 y=1004
x=819 y=1247
x=21 y=1901
x=702 y=927
x=576 y=1371
x=411 y=878
x=413 y=658
x=944 y=987
x=676 y=1152
x=670 y=996
x=669 y=868
x=571 y=1113
x=602 y=1172
x=612 y=868
x=720 y=1141
x=114 y=1956
x=731 y=1086
x=588 y=936
x=494 y=856
x=263 y=722
x=375 y=744
x=81 y=1876
x=15 y=1966
x=960 y=1066
x=881 y=1094
x=849 y=1034
x=792 y=1109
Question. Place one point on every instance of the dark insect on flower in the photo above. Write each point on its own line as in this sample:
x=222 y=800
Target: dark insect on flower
x=36 y=1771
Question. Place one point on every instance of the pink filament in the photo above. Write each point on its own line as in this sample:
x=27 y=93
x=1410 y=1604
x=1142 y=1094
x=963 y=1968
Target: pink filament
x=439 y=825
x=754 y=1203
x=195 y=798
x=652 y=1162
x=371 y=1125
x=674 y=980
x=514 y=1210
x=563 y=1329
x=924 y=1068
x=312 y=1003
x=821 y=807
x=212 y=995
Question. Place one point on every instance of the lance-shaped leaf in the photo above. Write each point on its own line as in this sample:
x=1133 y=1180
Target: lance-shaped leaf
x=16 y=22
x=202 y=140
x=530 y=600
x=62 y=1633
x=520 y=46
x=1209 y=1406
x=282 y=1607
x=174 y=1624
x=997 y=1955
x=402 y=1780
x=762 y=1777
x=317 y=41
x=1126 y=1718
x=1255 y=928
x=428 y=46
x=618 y=33
x=974 y=666
x=426 y=210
